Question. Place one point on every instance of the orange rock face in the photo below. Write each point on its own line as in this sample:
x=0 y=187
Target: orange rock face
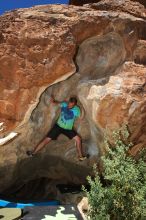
x=124 y=97
x=120 y=102
x=28 y=56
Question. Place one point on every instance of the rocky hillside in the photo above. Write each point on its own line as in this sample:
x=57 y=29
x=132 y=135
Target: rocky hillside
x=82 y=2
x=96 y=52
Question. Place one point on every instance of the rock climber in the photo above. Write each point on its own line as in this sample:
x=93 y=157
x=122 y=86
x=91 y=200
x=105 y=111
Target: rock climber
x=70 y=111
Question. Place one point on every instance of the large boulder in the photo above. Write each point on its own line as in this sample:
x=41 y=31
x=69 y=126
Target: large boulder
x=66 y=50
x=100 y=56
x=119 y=102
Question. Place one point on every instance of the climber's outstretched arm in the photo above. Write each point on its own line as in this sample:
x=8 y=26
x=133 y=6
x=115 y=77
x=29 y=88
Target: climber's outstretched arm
x=52 y=100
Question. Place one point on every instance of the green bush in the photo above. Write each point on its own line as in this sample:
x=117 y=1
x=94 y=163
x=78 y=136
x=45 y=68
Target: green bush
x=121 y=194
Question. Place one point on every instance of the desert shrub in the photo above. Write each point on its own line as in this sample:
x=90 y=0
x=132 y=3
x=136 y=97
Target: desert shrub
x=123 y=194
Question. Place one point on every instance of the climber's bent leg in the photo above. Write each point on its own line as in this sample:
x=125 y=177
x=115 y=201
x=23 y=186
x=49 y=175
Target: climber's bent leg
x=72 y=134
x=52 y=135
x=78 y=142
x=41 y=145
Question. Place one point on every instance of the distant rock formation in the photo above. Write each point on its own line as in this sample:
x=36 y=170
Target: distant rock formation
x=82 y=2
x=143 y=2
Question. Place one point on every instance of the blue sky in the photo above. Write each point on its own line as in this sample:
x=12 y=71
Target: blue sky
x=6 y=5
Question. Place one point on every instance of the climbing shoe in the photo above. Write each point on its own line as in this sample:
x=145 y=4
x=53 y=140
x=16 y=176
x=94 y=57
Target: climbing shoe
x=29 y=153
x=82 y=158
